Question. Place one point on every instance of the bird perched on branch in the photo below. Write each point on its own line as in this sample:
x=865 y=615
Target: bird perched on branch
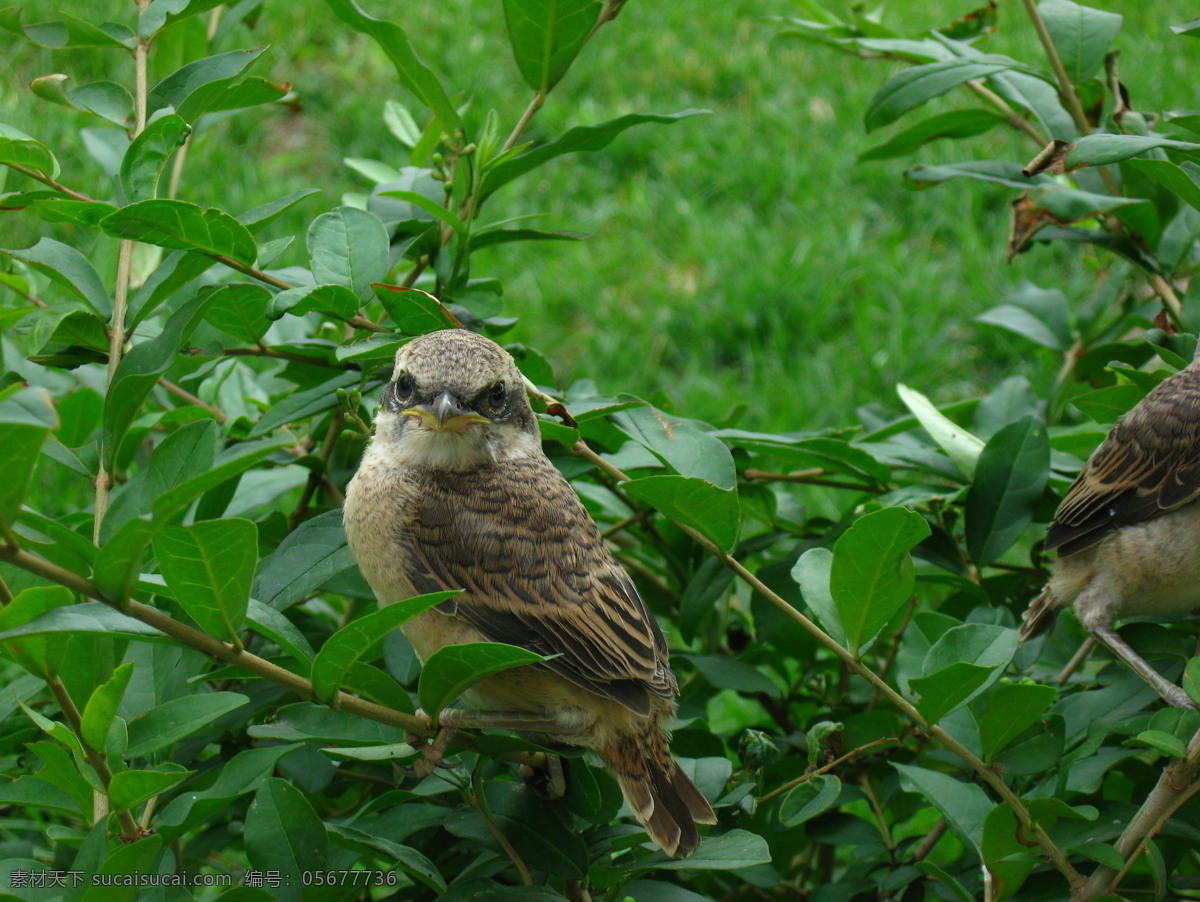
x=1128 y=531
x=455 y=492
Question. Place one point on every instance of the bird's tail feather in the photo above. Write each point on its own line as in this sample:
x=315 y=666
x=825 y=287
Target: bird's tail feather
x=1039 y=616
x=662 y=797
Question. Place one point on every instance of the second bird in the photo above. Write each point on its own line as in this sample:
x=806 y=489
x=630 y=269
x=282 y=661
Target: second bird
x=455 y=492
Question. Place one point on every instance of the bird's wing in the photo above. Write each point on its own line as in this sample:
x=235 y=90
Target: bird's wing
x=1148 y=464
x=535 y=573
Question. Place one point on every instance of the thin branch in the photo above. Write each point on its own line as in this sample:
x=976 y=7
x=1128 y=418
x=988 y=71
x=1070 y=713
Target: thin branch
x=477 y=799
x=925 y=846
x=824 y=769
x=1066 y=87
x=218 y=414
x=6 y=595
x=46 y=180
x=815 y=476
x=852 y=663
x=214 y=648
x=880 y=818
x=1014 y=119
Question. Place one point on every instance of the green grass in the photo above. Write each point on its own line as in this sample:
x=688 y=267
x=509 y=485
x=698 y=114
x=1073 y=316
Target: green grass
x=737 y=257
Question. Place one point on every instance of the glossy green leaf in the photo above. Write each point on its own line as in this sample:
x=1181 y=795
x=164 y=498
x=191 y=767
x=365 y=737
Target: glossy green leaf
x=1181 y=180
x=38 y=653
x=872 y=573
x=102 y=706
x=303 y=404
x=161 y=13
x=164 y=725
x=809 y=799
x=955 y=124
x=348 y=247
x=1024 y=323
x=414 y=74
x=434 y=209
x=999 y=172
x=70 y=269
x=1164 y=742
x=148 y=153
x=453 y=668
x=546 y=36
x=581 y=138
x=728 y=851
x=964 y=805
x=910 y=88
x=336 y=300
x=960 y=445
x=1099 y=149
x=358 y=639
x=129 y=788
x=284 y=834
x=210 y=566
x=948 y=689
x=412 y=311
x=1011 y=710
x=240 y=309
x=26 y=418
x=175 y=272
x=1191 y=680
x=694 y=502
x=228 y=464
x=116 y=877
x=70 y=31
x=200 y=86
x=1105 y=405
x=1006 y=852
x=276 y=627
x=106 y=99
x=681 y=445
x=17 y=148
x=310 y=556
x=409 y=860
x=1009 y=478
x=138 y=371
x=1101 y=853
x=812 y=573
x=184 y=226
x=1081 y=35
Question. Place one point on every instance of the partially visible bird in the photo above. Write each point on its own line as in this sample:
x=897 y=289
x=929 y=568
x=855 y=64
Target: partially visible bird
x=455 y=492
x=1128 y=530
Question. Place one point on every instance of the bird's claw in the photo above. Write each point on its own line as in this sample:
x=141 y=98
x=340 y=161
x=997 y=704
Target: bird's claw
x=545 y=772
x=433 y=750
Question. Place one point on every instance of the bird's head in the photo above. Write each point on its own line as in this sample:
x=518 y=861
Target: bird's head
x=456 y=400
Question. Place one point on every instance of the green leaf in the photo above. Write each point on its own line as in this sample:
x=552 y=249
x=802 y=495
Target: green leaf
x=303 y=404
x=910 y=88
x=949 y=689
x=546 y=36
x=309 y=557
x=162 y=13
x=336 y=300
x=1101 y=853
x=1183 y=180
x=70 y=269
x=1009 y=478
x=433 y=208
x=1005 y=853
x=210 y=567
x=138 y=372
x=106 y=99
x=276 y=627
x=26 y=417
x=348 y=247
x=956 y=124
x=166 y=724
x=39 y=654
x=681 y=445
x=809 y=799
x=1099 y=149
x=1011 y=710
x=1024 y=323
x=964 y=805
x=240 y=309
x=90 y=617
x=1081 y=35
x=1104 y=405
x=230 y=463
x=102 y=707
x=410 y=860
x=999 y=172
x=201 y=85
x=731 y=851
x=129 y=788
x=1191 y=680
x=112 y=881
x=358 y=639
x=961 y=447
x=183 y=226
x=243 y=773
x=414 y=74
x=414 y=312
x=582 y=138
x=812 y=574
x=454 y=668
x=1160 y=740
x=872 y=573
x=72 y=32
x=284 y=834
x=694 y=502
x=17 y=148
x=148 y=153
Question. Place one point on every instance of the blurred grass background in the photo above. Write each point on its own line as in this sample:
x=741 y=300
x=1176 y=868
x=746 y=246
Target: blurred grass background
x=738 y=257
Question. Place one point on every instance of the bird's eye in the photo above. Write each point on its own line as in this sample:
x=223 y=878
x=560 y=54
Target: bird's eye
x=404 y=386
x=497 y=396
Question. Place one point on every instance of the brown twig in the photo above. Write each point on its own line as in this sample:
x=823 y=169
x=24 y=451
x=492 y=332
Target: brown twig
x=824 y=769
x=1015 y=120
x=814 y=476
x=925 y=846
x=218 y=414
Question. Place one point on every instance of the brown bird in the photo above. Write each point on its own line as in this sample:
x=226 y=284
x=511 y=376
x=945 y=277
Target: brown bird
x=455 y=492
x=1128 y=531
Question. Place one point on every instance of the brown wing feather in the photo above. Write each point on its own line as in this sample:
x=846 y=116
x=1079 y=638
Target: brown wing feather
x=536 y=574
x=1148 y=464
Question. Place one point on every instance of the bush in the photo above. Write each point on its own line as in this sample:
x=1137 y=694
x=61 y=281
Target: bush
x=219 y=696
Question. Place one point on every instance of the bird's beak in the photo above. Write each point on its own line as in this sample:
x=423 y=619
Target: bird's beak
x=445 y=414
